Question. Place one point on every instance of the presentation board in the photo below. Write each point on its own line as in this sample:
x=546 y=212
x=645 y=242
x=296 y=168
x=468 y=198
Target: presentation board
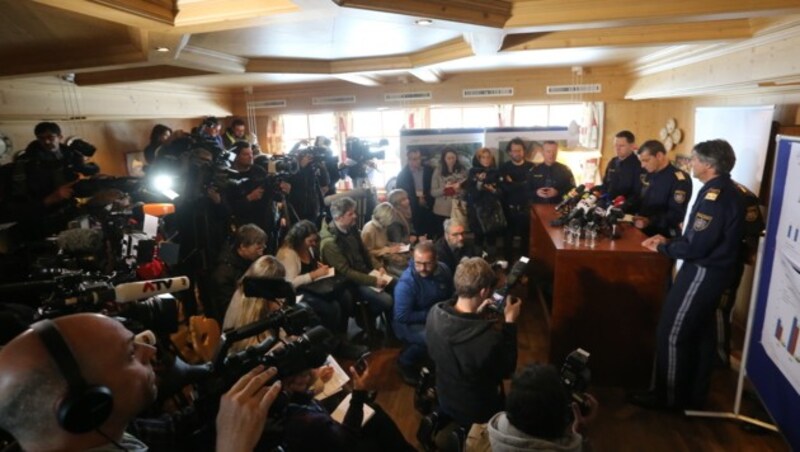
x=773 y=364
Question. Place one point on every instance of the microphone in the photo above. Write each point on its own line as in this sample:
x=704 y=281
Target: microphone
x=572 y=195
x=127 y=292
x=133 y=291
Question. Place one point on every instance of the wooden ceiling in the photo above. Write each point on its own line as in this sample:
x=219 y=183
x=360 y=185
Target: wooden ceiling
x=228 y=42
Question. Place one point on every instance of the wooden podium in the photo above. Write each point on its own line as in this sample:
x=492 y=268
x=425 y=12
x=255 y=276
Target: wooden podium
x=605 y=299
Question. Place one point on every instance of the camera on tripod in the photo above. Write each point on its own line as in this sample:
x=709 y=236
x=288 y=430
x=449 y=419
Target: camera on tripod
x=360 y=152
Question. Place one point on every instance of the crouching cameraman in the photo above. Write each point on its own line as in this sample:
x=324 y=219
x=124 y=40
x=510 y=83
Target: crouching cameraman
x=76 y=382
x=539 y=415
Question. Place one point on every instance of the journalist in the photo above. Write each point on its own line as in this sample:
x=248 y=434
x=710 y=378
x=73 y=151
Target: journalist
x=249 y=242
x=538 y=413
x=60 y=390
x=473 y=350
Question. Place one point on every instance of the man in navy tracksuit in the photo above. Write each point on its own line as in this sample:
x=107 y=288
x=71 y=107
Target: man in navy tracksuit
x=686 y=342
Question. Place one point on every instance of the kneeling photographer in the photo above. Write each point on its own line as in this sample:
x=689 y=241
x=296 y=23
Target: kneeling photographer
x=541 y=415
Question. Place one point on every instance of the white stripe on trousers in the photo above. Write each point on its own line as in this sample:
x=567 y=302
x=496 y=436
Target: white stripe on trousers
x=672 y=351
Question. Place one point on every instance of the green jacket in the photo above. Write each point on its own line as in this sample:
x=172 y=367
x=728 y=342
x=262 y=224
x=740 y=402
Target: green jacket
x=347 y=254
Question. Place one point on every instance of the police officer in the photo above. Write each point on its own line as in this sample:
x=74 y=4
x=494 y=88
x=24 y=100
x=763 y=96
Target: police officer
x=666 y=190
x=685 y=336
x=622 y=174
x=515 y=181
x=754 y=225
x=551 y=179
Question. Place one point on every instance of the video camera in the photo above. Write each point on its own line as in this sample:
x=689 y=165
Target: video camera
x=359 y=151
x=576 y=376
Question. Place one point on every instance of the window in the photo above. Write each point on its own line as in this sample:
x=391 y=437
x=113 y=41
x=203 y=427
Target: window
x=564 y=114
x=531 y=116
x=299 y=127
x=547 y=115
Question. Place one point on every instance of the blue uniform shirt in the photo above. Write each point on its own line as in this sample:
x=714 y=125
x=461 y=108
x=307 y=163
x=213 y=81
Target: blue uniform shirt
x=622 y=177
x=663 y=201
x=557 y=176
x=713 y=234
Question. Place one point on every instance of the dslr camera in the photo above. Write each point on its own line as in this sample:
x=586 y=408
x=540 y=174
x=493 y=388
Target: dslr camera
x=576 y=376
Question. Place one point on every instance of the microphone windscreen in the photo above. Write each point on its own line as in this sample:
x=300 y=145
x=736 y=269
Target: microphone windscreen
x=80 y=241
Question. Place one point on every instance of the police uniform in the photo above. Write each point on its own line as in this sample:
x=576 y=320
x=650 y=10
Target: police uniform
x=754 y=225
x=557 y=176
x=663 y=201
x=685 y=336
x=622 y=177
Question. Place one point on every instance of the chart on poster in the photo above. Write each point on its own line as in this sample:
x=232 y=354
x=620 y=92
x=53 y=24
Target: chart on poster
x=773 y=362
x=779 y=335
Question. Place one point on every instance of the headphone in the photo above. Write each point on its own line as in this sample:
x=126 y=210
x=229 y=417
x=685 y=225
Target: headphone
x=85 y=407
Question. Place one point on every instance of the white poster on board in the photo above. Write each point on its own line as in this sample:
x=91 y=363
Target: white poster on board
x=781 y=331
x=430 y=143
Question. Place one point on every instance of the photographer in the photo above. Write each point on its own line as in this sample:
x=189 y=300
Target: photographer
x=37 y=188
x=251 y=201
x=235 y=133
x=62 y=391
x=306 y=195
x=537 y=415
x=473 y=351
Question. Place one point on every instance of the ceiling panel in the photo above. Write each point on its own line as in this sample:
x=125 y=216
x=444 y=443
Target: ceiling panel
x=324 y=38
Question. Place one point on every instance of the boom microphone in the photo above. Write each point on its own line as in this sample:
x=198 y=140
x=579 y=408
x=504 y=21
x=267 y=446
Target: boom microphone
x=80 y=241
x=139 y=290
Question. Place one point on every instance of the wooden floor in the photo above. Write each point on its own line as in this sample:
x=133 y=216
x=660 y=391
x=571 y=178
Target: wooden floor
x=619 y=426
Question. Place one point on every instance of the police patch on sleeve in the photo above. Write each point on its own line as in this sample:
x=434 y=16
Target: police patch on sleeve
x=701 y=221
x=712 y=194
x=752 y=214
x=679 y=196
x=679 y=175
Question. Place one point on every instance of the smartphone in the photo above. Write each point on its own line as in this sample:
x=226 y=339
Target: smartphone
x=361 y=364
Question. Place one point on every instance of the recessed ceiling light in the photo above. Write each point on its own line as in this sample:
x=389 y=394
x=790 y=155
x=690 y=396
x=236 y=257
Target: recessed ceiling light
x=423 y=22
x=162 y=49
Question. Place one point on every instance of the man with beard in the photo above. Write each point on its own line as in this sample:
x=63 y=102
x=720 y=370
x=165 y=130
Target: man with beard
x=451 y=248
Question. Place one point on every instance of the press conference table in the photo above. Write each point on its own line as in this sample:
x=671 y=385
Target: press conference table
x=605 y=299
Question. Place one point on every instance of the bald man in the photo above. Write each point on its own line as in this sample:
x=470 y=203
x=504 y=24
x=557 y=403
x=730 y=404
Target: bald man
x=32 y=388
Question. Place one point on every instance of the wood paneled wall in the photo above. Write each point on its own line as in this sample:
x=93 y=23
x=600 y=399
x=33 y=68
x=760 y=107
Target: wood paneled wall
x=113 y=139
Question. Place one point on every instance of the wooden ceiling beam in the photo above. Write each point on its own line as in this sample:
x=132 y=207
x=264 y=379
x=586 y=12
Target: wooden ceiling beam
x=134 y=13
x=632 y=35
x=557 y=14
x=489 y=13
x=138 y=74
x=74 y=60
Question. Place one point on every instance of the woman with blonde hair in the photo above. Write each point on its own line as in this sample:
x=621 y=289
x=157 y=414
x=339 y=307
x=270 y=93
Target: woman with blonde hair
x=245 y=310
x=382 y=252
x=483 y=194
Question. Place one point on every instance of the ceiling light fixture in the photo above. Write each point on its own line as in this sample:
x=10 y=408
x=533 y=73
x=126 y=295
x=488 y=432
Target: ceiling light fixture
x=423 y=22
x=162 y=49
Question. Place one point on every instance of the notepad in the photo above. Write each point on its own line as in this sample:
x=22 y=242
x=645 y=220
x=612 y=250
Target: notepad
x=337 y=381
x=380 y=276
x=341 y=410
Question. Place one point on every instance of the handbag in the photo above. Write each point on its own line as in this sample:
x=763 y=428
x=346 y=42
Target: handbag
x=324 y=287
x=490 y=216
x=458 y=212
